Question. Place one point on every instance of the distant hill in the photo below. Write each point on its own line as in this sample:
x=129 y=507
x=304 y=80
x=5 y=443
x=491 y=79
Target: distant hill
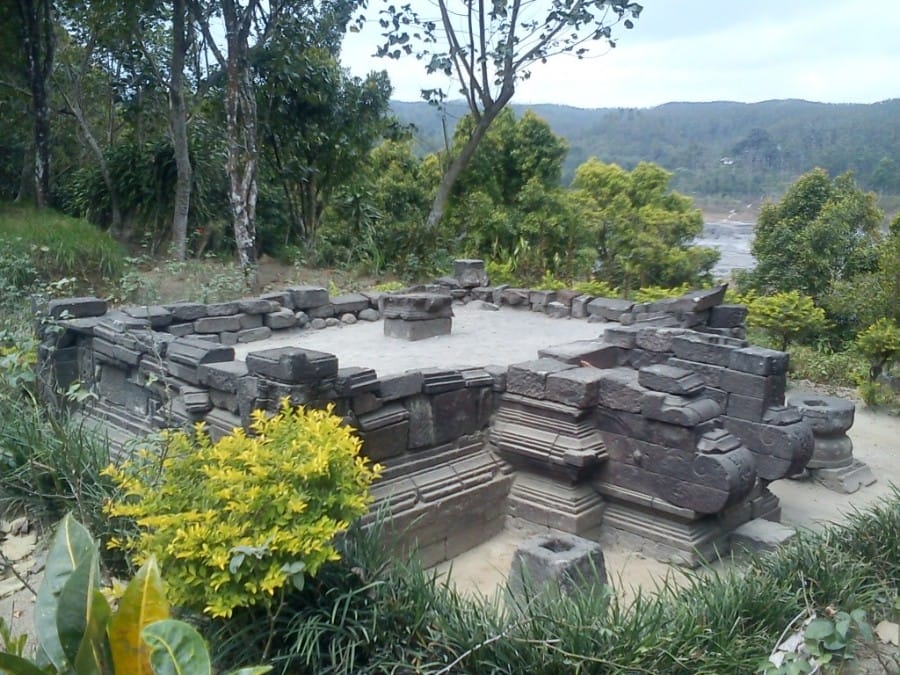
x=719 y=148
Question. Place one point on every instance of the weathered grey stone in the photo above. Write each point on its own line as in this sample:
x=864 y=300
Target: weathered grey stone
x=780 y=415
x=437 y=380
x=76 y=308
x=771 y=387
x=217 y=324
x=727 y=316
x=486 y=306
x=638 y=427
x=656 y=339
x=759 y=361
x=302 y=318
x=594 y=353
x=540 y=299
x=225 y=400
x=621 y=390
x=678 y=410
x=258 y=305
x=476 y=377
x=641 y=358
x=254 y=334
x=196 y=400
x=760 y=535
x=192 y=351
x=280 y=319
x=158 y=316
x=702 y=300
x=450 y=282
x=222 y=376
x=283 y=298
x=621 y=336
x=470 y=273
x=325 y=311
x=332 y=322
x=348 y=319
x=250 y=320
x=349 y=303
x=530 y=377
x=826 y=415
x=417 y=306
x=578 y=387
x=384 y=432
x=292 y=365
x=705 y=348
x=222 y=308
x=365 y=402
x=844 y=479
x=515 y=297
x=556 y=310
x=417 y=330
x=440 y=418
x=562 y=562
x=318 y=323
x=672 y=380
x=710 y=374
x=748 y=407
x=307 y=297
x=369 y=315
x=779 y=451
x=115 y=321
x=393 y=387
x=354 y=380
x=579 y=306
x=229 y=338
x=499 y=374
x=187 y=311
x=610 y=309
x=181 y=329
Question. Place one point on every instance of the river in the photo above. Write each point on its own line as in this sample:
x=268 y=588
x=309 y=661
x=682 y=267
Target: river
x=732 y=239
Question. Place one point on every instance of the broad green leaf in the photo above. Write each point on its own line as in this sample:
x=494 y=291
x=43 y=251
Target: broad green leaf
x=16 y=665
x=72 y=544
x=819 y=629
x=81 y=619
x=143 y=602
x=255 y=670
x=177 y=649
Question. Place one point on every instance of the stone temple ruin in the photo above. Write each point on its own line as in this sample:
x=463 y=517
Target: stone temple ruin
x=667 y=427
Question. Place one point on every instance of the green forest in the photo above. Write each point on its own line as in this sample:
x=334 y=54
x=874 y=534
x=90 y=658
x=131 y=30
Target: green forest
x=743 y=150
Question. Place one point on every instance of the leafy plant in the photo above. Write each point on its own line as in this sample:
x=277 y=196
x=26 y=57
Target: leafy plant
x=880 y=344
x=78 y=632
x=599 y=289
x=787 y=317
x=236 y=522
x=651 y=293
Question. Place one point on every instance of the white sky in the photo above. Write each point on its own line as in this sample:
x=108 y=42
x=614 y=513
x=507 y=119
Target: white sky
x=839 y=51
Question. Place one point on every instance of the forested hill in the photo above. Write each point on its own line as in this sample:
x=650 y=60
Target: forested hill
x=717 y=148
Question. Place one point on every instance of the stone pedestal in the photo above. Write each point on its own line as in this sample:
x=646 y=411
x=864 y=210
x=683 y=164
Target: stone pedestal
x=417 y=316
x=556 y=561
x=832 y=463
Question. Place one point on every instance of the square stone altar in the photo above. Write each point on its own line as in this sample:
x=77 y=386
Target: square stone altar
x=417 y=316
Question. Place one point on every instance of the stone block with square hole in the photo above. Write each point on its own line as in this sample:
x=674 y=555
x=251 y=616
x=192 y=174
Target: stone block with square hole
x=417 y=316
x=556 y=560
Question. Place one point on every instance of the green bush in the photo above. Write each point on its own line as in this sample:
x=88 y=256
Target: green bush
x=788 y=317
x=840 y=369
x=236 y=522
x=880 y=344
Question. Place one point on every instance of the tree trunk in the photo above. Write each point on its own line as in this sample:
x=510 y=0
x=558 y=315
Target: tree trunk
x=178 y=122
x=459 y=164
x=39 y=42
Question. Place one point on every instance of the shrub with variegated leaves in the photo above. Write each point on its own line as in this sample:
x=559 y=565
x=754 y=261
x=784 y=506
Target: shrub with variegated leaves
x=236 y=522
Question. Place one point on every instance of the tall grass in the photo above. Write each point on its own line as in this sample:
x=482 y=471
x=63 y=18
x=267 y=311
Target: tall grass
x=53 y=245
x=370 y=613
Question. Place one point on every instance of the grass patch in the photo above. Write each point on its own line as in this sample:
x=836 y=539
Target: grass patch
x=44 y=246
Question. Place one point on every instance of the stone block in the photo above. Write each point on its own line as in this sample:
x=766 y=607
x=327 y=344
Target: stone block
x=579 y=387
x=258 y=305
x=621 y=390
x=292 y=365
x=515 y=297
x=222 y=376
x=759 y=361
x=702 y=348
x=325 y=311
x=779 y=451
x=254 y=334
x=760 y=535
x=217 y=324
x=417 y=306
x=228 y=338
x=771 y=387
x=579 y=306
x=476 y=377
x=656 y=319
x=283 y=298
x=556 y=310
x=393 y=387
x=610 y=309
x=365 y=402
x=710 y=374
x=417 y=330
x=679 y=410
x=307 y=297
x=576 y=509
x=229 y=308
x=224 y=400
x=113 y=353
x=702 y=300
x=351 y=302
x=354 y=380
x=302 y=318
x=196 y=400
x=385 y=432
x=280 y=319
x=181 y=329
x=369 y=314
x=621 y=336
x=470 y=273
x=826 y=415
x=540 y=299
x=250 y=320
x=727 y=316
x=656 y=339
x=530 y=377
x=594 y=353
x=746 y=407
x=844 y=479
x=669 y=379
x=641 y=358
x=157 y=316
x=499 y=373
x=562 y=562
x=781 y=415
x=187 y=311
x=76 y=308
x=438 y=380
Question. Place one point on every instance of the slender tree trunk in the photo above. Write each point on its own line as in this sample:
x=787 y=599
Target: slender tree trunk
x=460 y=162
x=39 y=42
x=178 y=122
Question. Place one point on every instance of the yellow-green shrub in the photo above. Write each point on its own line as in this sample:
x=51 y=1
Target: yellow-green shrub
x=653 y=293
x=787 y=317
x=234 y=522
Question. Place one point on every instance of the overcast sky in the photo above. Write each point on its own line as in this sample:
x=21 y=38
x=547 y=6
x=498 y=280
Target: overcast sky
x=839 y=51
